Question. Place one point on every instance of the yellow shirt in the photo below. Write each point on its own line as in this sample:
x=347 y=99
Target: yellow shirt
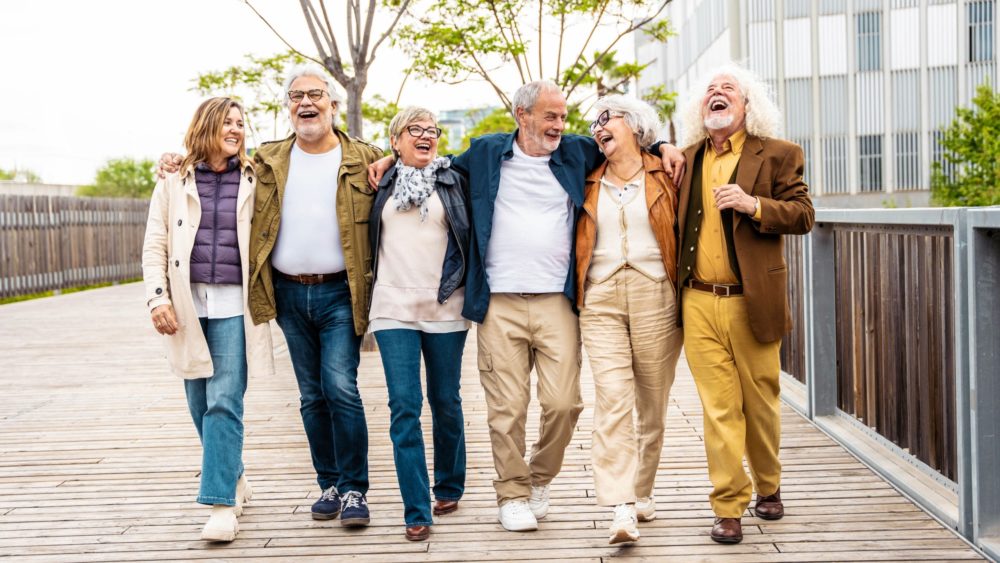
x=711 y=263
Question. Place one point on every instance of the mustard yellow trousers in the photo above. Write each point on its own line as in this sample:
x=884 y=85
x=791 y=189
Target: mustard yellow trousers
x=737 y=380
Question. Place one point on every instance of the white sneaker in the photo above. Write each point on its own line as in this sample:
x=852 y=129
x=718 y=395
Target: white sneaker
x=539 y=501
x=515 y=516
x=243 y=494
x=222 y=525
x=645 y=509
x=623 y=527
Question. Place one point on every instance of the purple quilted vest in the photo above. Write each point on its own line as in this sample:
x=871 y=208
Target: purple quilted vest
x=215 y=257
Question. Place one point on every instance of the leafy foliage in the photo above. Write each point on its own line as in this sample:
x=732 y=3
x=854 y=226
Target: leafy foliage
x=122 y=177
x=455 y=40
x=258 y=84
x=665 y=104
x=20 y=175
x=972 y=145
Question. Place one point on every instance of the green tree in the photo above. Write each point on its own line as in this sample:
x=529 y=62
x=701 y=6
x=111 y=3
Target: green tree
x=665 y=104
x=454 y=40
x=360 y=44
x=20 y=175
x=972 y=150
x=500 y=121
x=258 y=84
x=122 y=177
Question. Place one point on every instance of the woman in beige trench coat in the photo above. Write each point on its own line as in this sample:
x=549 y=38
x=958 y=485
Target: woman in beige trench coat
x=195 y=266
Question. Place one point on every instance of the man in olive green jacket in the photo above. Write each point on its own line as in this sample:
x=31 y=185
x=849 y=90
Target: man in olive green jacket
x=310 y=269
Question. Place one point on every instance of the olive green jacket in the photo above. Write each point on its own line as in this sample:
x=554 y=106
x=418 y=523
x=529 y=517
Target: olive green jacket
x=354 y=202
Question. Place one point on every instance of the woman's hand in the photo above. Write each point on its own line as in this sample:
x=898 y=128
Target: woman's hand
x=164 y=320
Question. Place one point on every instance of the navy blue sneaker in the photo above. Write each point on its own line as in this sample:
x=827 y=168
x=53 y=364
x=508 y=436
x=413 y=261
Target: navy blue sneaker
x=355 y=512
x=328 y=505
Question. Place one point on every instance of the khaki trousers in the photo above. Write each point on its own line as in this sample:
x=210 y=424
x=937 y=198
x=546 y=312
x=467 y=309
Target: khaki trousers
x=737 y=380
x=629 y=328
x=520 y=333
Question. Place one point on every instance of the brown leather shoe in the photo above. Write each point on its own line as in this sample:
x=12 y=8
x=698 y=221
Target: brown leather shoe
x=442 y=507
x=418 y=533
x=769 y=507
x=727 y=530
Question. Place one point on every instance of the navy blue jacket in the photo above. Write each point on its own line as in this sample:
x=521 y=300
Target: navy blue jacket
x=570 y=163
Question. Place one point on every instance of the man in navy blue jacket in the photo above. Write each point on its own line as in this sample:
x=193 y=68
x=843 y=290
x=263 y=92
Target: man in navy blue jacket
x=526 y=190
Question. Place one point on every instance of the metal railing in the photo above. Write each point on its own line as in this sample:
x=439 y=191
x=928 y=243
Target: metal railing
x=895 y=351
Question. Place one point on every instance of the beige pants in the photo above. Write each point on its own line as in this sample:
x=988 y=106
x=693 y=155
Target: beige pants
x=518 y=334
x=737 y=380
x=629 y=327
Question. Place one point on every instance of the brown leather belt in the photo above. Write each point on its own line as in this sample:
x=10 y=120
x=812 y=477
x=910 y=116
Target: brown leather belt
x=313 y=279
x=721 y=290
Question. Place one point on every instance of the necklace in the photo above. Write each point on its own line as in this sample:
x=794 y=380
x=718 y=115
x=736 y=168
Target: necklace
x=626 y=178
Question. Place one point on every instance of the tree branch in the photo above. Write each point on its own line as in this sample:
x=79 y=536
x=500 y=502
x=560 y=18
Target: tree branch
x=278 y=35
x=510 y=46
x=388 y=31
x=541 y=73
x=593 y=29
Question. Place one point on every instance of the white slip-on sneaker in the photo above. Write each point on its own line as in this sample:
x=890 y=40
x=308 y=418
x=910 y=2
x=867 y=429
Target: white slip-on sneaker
x=623 y=527
x=222 y=525
x=645 y=509
x=539 y=501
x=516 y=516
x=244 y=492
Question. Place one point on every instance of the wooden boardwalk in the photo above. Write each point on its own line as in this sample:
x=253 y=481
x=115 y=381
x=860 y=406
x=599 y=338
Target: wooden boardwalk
x=99 y=461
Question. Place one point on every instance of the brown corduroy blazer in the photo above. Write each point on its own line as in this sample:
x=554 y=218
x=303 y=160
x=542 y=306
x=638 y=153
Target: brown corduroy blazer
x=770 y=169
x=661 y=200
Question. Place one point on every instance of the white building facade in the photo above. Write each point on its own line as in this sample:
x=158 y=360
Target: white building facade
x=866 y=86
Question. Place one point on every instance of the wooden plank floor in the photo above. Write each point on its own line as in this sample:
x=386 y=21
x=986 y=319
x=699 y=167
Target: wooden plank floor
x=99 y=461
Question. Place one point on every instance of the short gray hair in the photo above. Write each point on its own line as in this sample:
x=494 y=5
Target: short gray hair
x=638 y=115
x=527 y=95
x=311 y=69
x=405 y=117
x=763 y=116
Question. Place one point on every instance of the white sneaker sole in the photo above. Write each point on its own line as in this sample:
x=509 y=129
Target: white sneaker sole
x=220 y=535
x=646 y=517
x=521 y=527
x=622 y=536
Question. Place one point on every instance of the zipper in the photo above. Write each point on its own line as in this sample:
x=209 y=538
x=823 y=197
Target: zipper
x=451 y=224
x=215 y=225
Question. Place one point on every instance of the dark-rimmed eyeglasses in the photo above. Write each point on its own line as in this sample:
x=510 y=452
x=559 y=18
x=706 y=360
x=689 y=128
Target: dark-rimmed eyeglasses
x=314 y=95
x=417 y=131
x=603 y=119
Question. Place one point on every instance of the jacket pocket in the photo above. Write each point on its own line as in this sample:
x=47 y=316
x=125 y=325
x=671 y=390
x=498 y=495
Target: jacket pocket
x=777 y=269
x=484 y=360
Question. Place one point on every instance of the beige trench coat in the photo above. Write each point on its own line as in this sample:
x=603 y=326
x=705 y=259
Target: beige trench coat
x=174 y=216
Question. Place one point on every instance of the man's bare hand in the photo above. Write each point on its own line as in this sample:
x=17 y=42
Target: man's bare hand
x=169 y=163
x=673 y=162
x=378 y=169
x=164 y=320
x=731 y=196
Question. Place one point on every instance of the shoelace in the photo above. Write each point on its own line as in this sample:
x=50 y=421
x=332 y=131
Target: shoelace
x=520 y=509
x=539 y=494
x=329 y=494
x=352 y=499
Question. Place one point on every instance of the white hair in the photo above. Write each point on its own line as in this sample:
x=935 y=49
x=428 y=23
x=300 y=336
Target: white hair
x=314 y=70
x=763 y=116
x=638 y=115
x=527 y=95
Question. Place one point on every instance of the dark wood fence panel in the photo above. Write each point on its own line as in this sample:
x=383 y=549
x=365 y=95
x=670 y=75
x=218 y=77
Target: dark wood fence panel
x=895 y=329
x=49 y=243
x=793 y=346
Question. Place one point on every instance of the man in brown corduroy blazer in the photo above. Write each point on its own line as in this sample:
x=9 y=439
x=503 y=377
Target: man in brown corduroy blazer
x=743 y=192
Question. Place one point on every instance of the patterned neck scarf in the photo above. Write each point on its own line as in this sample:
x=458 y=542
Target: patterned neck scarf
x=415 y=185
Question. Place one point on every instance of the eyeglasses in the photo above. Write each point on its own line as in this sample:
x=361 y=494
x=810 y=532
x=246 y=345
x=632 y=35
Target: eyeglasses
x=417 y=131
x=603 y=119
x=314 y=95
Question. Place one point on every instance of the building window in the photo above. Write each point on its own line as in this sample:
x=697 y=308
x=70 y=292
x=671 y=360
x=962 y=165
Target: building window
x=907 y=160
x=834 y=165
x=870 y=163
x=937 y=155
x=980 y=15
x=869 y=32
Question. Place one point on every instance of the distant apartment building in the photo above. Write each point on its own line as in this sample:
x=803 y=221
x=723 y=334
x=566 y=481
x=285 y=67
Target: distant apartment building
x=456 y=123
x=866 y=86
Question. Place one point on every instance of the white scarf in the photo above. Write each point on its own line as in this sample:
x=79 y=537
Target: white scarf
x=415 y=185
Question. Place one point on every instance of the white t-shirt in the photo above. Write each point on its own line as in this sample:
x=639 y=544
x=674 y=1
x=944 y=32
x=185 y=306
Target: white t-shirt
x=309 y=235
x=529 y=249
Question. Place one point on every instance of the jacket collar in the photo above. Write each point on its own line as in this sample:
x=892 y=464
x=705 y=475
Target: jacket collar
x=655 y=182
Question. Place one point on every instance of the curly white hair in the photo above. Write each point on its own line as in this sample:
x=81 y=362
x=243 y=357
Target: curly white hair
x=763 y=116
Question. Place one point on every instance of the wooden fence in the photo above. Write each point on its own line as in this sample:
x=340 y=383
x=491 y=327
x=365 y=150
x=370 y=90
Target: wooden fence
x=793 y=346
x=52 y=243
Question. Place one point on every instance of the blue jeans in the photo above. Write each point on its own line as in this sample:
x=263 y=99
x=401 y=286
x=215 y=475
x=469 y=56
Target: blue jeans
x=400 y=349
x=319 y=329
x=216 y=405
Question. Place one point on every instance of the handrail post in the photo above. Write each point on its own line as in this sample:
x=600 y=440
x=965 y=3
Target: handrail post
x=964 y=460
x=821 y=317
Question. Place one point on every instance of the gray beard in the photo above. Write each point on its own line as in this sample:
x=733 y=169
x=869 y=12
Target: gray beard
x=716 y=123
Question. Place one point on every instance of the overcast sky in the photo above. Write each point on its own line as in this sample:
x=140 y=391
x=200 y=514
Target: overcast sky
x=87 y=81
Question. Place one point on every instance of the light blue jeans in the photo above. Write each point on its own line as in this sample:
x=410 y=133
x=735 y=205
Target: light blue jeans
x=216 y=405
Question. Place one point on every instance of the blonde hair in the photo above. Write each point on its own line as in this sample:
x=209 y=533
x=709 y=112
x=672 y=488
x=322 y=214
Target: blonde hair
x=763 y=116
x=405 y=117
x=202 y=138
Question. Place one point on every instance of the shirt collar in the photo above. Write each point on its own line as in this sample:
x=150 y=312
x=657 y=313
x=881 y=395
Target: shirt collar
x=733 y=144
